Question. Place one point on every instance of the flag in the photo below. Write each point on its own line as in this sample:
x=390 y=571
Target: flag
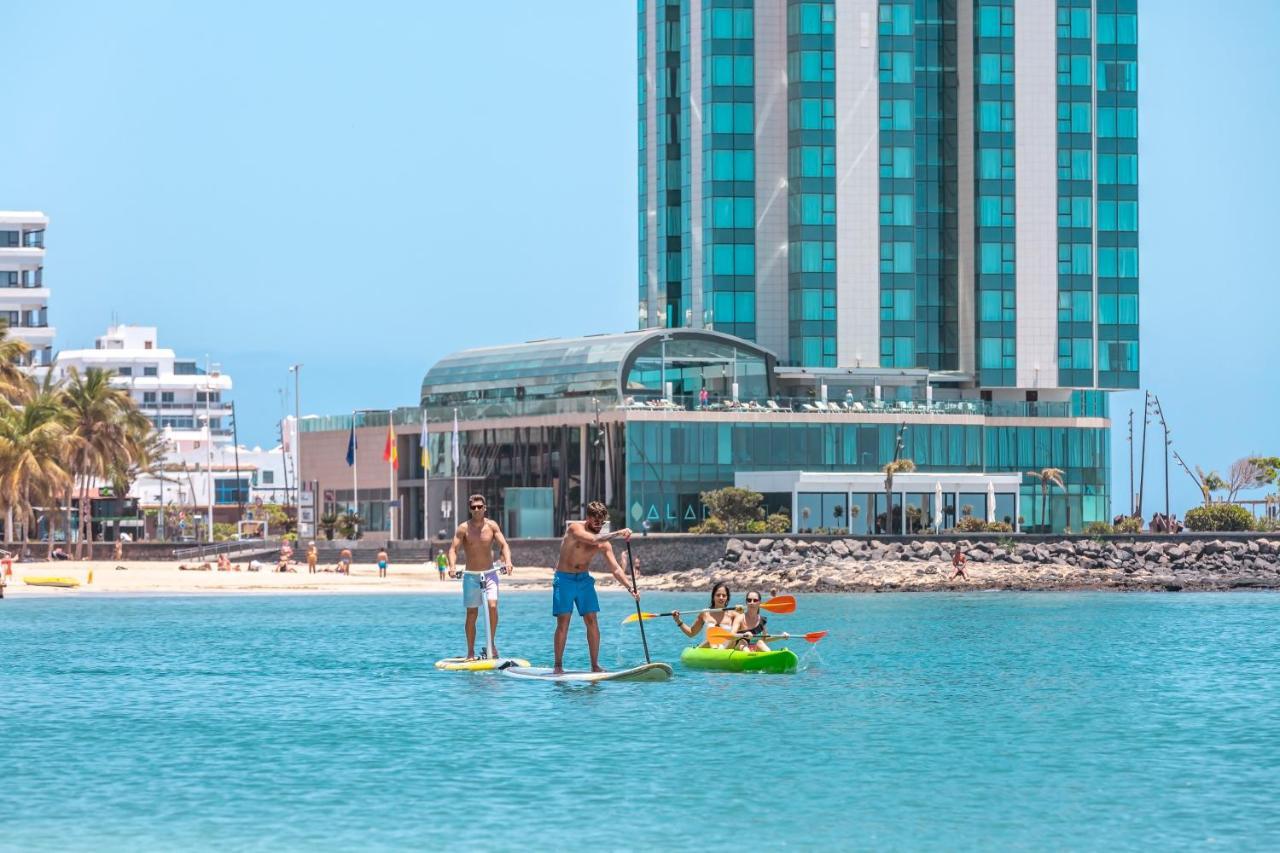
x=423 y=441
x=390 y=453
x=351 y=444
x=455 y=439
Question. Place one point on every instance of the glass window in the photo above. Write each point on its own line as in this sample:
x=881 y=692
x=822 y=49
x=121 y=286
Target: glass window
x=149 y=371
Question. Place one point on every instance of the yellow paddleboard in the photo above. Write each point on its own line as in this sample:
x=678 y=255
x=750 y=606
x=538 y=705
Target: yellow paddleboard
x=43 y=580
x=479 y=665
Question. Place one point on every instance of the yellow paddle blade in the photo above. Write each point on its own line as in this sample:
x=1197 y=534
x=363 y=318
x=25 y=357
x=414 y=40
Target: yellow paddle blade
x=636 y=617
x=780 y=604
x=720 y=635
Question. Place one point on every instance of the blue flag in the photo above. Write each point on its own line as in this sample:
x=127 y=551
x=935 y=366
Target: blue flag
x=351 y=445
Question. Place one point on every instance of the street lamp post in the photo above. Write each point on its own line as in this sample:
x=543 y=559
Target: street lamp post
x=296 y=370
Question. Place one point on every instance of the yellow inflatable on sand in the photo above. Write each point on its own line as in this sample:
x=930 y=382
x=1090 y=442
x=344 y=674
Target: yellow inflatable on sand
x=48 y=580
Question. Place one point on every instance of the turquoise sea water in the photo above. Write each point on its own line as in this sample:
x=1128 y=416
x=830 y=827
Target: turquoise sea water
x=1032 y=721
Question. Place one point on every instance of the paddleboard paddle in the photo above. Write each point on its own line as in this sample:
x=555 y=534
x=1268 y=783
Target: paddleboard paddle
x=631 y=564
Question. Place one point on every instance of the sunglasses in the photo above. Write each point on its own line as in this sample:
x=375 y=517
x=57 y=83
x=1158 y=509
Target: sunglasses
x=477 y=506
x=753 y=601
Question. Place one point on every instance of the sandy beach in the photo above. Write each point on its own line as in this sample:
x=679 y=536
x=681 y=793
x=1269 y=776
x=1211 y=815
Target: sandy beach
x=166 y=577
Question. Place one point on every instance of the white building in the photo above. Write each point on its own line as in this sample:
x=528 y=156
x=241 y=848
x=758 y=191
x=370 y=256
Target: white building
x=24 y=299
x=175 y=393
x=190 y=406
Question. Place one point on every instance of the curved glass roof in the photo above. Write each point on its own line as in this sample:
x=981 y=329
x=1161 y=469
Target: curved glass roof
x=560 y=367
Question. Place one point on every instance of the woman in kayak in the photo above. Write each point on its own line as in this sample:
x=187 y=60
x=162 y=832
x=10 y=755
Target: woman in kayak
x=718 y=616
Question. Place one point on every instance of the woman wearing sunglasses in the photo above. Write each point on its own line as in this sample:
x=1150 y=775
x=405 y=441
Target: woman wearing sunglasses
x=718 y=616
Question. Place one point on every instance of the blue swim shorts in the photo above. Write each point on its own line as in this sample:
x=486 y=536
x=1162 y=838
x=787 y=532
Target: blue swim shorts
x=570 y=588
x=476 y=587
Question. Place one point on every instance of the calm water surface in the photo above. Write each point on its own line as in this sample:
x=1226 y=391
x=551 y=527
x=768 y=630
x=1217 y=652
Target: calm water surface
x=938 y=721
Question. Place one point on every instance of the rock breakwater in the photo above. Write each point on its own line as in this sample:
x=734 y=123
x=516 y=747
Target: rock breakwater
x=862 y=565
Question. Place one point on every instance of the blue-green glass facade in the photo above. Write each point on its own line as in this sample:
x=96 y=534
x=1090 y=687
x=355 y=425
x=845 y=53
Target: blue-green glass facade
x=728 y=167
x=1116 y=84
x=811 y=182
x=670 y=463
x=671 y=76
x=995 y=216
x=918 y=184
x=642 y=164
x=1075 y=193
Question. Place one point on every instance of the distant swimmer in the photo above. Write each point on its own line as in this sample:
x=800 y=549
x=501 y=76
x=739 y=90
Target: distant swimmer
x=477 y=536
x=573 y=584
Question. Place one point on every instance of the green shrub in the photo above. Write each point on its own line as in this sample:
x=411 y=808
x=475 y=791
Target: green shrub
x=778 y=522
x=757 y=526
x=1098 y=528
x=223 y=532
x=1129 y=525
x=1000 y=527
x=1225 y=517
x=712 y=526
x=969 y=524
x=1267 y=525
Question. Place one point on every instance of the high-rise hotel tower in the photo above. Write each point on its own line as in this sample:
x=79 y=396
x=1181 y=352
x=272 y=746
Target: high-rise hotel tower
x=940 y=184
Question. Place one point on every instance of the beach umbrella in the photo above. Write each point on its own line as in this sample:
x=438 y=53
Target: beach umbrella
x=991 y=501
x=937 y=506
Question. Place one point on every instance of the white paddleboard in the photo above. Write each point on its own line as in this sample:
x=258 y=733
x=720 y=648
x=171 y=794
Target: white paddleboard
x=644 y=672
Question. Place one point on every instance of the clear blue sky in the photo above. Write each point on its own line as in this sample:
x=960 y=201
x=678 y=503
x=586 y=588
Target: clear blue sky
x=363 y=189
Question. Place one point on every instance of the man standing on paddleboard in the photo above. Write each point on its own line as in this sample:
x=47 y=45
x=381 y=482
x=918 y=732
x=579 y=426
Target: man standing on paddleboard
x=573 y=584
x=477 y=536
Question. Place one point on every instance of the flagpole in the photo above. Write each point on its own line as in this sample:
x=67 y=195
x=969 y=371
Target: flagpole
x=455 y=469
x=391 y=475
x=425 y=456
x=355 y=471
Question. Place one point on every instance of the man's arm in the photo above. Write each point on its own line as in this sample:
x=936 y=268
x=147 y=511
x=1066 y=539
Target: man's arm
x=616 y=568
x=503 y=546
x=454 y=545
x=578 y=531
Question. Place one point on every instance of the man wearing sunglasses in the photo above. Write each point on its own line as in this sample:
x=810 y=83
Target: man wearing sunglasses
x=477 y=536
x=573 y=584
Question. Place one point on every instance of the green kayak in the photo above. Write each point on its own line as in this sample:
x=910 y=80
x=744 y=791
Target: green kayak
x=732 y=660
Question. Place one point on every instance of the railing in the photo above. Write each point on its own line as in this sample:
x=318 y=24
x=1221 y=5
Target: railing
x=808 y=405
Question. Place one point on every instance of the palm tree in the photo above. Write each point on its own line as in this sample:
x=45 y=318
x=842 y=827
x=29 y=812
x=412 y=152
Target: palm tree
x=32 y=441
x=107 y=434
x=1047 y=477
x=12 y=380
x=897 y=466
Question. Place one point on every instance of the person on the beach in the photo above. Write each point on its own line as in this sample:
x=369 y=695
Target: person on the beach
x=477 y=536
x=719 y=615
x=957 y=563
x=573 y=584
x=312 y=556
x=382 y=562
x=224 y=564
x=442 y=564
x=286 y=553
x=344 y=562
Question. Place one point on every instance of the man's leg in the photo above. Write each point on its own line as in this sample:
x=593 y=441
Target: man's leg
x=593 y=639
x=562 y=636
x=472 y=614
x=493 y=625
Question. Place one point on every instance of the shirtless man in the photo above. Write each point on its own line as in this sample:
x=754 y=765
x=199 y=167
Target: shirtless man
x=477 y=536
x=573 y=584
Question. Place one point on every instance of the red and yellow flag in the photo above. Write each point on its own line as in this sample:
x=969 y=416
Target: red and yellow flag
x=390 y=453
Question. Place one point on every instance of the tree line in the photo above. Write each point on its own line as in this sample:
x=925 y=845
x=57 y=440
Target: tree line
x=59 y=439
